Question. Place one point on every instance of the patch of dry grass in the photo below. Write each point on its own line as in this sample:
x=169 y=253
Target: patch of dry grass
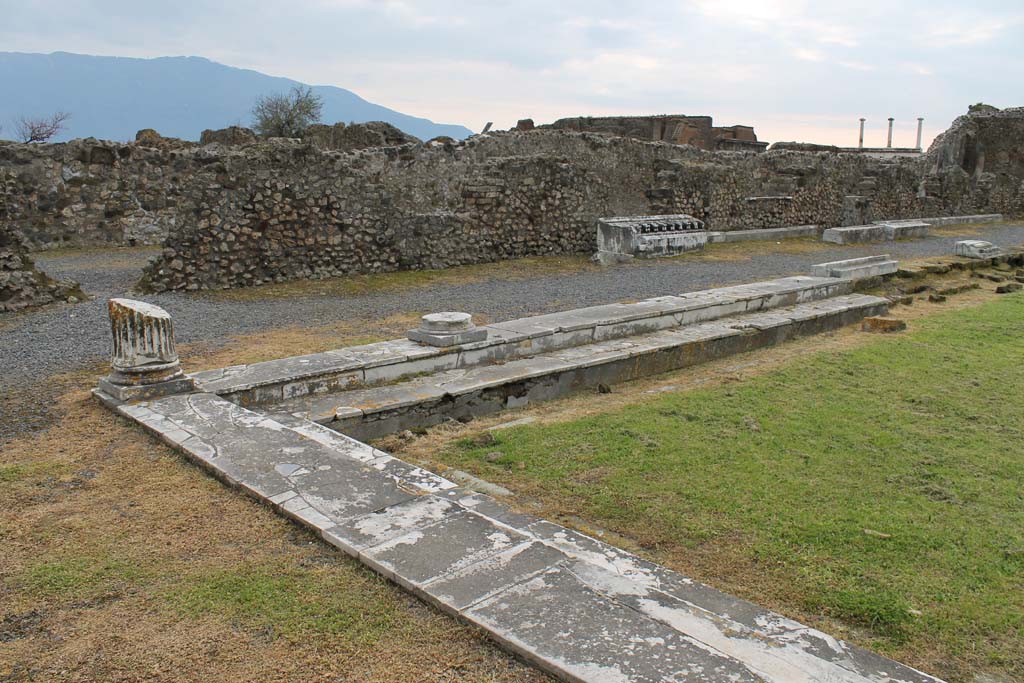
x=121 y=562
x=295 y=341
x=746 y=251
x=967 y=229
x=516 y=269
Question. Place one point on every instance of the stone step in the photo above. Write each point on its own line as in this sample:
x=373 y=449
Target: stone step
x=854 y=234
x=857 y=268
x=910 y=228
x=903 y=230
x=370 y=413
x=574 y=606
x=388 y=361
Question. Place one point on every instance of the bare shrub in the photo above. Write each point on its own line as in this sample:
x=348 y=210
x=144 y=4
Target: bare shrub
x=287 y=115
x=40 y=129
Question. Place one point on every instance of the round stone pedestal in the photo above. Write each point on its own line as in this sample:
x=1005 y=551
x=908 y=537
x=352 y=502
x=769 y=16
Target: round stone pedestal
x=449 y=328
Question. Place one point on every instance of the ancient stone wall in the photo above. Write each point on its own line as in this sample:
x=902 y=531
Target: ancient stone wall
x=277 y=210
x=92 y=192
x=698 y=131
x=978 y=164
x=89 y=192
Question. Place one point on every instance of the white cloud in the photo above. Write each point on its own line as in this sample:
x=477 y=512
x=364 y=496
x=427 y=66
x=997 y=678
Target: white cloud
x=855 y=65
x=963 y=28
x=918 y=69
x=808 y=54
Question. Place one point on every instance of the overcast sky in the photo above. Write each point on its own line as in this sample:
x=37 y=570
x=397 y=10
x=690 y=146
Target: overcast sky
x=794 y=69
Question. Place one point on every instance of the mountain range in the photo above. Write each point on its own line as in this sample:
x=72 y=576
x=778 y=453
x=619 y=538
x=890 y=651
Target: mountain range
x=114 y=97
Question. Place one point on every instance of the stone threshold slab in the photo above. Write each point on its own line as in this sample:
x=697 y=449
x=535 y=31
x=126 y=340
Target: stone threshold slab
x=382 y=362
x=905 y=228
x=576 y=607
x=795 y=231
x=960 y=220
x=371 y=413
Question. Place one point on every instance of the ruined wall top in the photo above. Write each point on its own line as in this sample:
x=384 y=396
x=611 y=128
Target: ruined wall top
x=983 y=142
x=680 y=129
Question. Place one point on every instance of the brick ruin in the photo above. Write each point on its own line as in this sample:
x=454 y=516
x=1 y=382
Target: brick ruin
x=239 y=212
x=678 y=129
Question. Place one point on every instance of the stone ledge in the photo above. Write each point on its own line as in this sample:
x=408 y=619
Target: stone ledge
x=369 y=413
x=857 y=268
x=277 y=380
x=764 y=234
x=854 y=234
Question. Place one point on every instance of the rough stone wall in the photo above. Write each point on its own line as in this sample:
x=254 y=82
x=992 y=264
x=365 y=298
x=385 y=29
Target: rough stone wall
x=285 y=210
x=347 y=137
x=90 y=192
x=697 y=131
x=978 y=164
x=276 y=210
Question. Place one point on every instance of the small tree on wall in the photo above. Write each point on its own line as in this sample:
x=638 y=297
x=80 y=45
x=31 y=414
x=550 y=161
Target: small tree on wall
x=40 y=129
x=287 y=115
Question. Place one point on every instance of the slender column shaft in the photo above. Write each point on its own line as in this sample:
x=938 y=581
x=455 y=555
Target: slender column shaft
x=889 y=143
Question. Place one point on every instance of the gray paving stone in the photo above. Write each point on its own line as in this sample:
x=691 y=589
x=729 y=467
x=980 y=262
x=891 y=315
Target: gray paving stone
x=556 y=619
x=450 y=544
x=487 y=506
x=342 y=494
x=249 y=376
x=468 y=585
x=774 y=647
x=497 y=375
x=363 y=532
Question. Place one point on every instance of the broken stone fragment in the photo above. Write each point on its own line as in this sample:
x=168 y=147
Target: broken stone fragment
x=975 y=249
x=883 y=324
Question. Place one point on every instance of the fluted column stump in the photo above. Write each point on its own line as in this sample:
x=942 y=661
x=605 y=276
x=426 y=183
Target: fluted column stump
x=144 y=363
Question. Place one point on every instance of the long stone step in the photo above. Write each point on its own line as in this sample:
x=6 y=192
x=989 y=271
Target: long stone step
x=369 y=413
x=388 y=361
x=576 y=607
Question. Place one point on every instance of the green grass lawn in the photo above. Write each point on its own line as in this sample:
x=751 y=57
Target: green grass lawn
x=880 y=488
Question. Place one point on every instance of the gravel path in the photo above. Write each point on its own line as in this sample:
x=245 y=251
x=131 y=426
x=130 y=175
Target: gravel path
x=40 y=343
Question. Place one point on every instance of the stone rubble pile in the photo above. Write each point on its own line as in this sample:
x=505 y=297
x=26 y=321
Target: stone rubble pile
x=22 y=286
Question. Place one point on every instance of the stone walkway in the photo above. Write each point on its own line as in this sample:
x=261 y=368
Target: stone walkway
x=573 y=605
